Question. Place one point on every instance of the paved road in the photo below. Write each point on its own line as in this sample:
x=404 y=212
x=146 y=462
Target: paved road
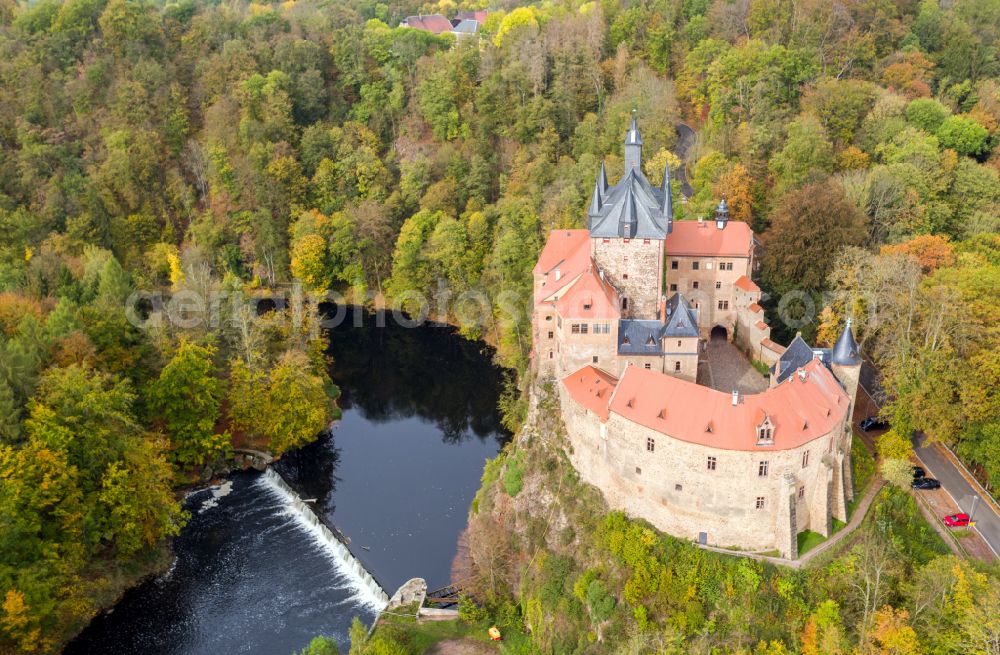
x=685 y=139
x=987 y=521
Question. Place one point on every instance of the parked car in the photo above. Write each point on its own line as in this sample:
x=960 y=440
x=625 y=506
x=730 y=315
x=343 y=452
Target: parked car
x=873 y=423
x=956 y=520
x=918 y=472
x=926 y=483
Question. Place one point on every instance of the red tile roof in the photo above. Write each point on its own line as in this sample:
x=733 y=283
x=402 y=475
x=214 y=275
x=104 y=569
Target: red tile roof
x=754 y=307
x=435 y=23
x=563 y=246
x=703 y=238
x=800 y=409
x=589 y=297
x=746 y=284
x=591 y=388
x=567 y=251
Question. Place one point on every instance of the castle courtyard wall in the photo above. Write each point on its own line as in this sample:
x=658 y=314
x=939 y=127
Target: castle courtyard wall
x=673 y=488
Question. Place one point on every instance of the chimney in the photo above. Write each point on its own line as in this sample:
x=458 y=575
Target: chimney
x=558 y=275
x=736 y=397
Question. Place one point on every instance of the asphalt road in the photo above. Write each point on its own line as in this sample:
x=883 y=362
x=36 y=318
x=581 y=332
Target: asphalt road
x=952 y=480
x=685 y=139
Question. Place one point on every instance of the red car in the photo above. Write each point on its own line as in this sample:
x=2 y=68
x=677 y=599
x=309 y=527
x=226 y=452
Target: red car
x=956 y=520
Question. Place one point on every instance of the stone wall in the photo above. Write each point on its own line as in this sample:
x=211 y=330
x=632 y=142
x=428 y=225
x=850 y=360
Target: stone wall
x=674 y=488
x=706 y=296
x=635 y=268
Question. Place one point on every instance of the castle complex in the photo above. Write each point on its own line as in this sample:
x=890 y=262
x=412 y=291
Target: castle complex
x=621 y=312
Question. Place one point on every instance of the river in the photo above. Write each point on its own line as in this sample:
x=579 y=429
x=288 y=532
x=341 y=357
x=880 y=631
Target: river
x=395 y=476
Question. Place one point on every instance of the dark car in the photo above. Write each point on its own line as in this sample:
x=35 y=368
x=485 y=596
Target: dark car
x=926 y=483
x=873 y=423
x=918 y=472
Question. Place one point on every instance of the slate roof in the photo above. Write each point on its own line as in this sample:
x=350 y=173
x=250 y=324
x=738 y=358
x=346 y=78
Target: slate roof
x=633 y=202
x=846 y=351
x=681 y=320
x=467 y=26
x=639 y=337
x=797 y=355
x=632 y=208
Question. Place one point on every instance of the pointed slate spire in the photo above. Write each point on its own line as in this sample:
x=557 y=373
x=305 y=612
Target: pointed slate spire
x=597 y=198
x=633 y=147
x=602 y=178
x=846 y=351
x=629 y=215
x=633 y=137
x=668 y=199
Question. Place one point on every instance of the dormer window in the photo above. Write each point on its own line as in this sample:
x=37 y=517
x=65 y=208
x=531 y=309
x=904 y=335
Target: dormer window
x=650 y=341
x=586 y=306
x=765 y=432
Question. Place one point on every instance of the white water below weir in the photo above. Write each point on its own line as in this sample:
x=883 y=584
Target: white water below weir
x=367 y=590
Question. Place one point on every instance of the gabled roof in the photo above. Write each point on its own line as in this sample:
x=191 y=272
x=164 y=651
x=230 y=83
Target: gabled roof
x=466 y=26
x=639 y=337
x=634 y=202
x=797 y=355
x=591 y=388
x=694 y=238
x=589 y=296
x=745 y=283
x=681 y=319
x=435 y=23
x=804 y=408
x=564 y=258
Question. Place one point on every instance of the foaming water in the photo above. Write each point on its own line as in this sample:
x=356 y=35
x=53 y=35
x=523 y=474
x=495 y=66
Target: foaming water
x=248 y=578
x=366 y=590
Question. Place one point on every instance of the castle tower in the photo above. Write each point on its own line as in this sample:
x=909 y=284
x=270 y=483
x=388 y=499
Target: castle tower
x=845 y=362
x=633 y=147
x=722 y=215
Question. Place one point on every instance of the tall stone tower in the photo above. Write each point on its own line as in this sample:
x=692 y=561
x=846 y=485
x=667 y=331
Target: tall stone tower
x=628 y=224
x=845 y=362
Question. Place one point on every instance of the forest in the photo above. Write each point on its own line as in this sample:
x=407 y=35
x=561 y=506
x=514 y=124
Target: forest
x=232 y=151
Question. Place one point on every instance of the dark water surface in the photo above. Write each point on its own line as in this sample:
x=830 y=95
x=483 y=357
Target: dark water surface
x=396 y=476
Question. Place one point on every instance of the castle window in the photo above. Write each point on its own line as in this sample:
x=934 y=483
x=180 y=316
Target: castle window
x=627 y=240
x=678 y=487
x=802 y=493
x=760 y=502
x=606 y=240
x=723 y=304
x=624 y=303
x=711 y=463
x=677 y=366
x=551 y=334
x=726 y=266
x=648 y=366
x=673 y=287
x=559 y=322
x=645 y=242
x=583 y=328
x=673 y=265
x=624 y=276
x=718 y=285
x=694 y=285
x=549 y=317
x=678 y=343
x=602 y=328
x=694 y=266
x=765 y=434
x=579 y=328
x=638 y=471
x=595 y=359
x=587 y=305
x=650 y=444
x=762 y=469
x=805 y=459
x=550 y=354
